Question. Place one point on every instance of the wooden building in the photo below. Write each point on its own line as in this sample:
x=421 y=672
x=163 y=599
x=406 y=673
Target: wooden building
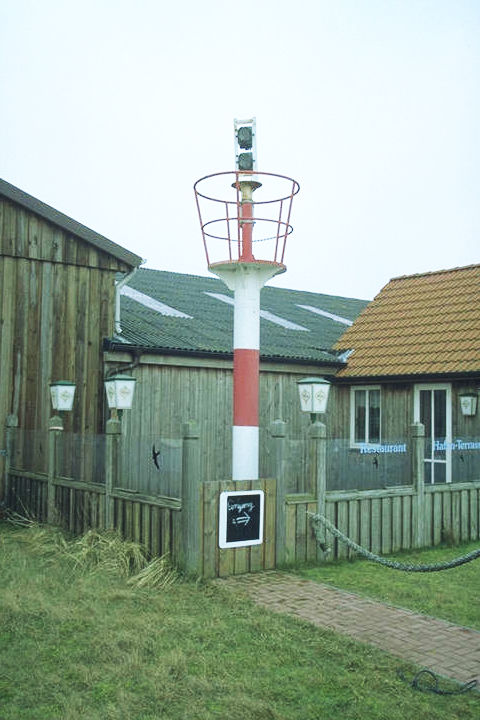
x=414 y=356
x=176 y=338
x=60 y=320
x=57 y=303
x=75 y=306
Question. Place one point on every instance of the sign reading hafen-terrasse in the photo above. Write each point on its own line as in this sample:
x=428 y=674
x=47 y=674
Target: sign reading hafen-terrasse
x=241 y=518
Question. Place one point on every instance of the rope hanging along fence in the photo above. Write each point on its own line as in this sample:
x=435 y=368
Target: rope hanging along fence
x=318 y=520
x=427 y=681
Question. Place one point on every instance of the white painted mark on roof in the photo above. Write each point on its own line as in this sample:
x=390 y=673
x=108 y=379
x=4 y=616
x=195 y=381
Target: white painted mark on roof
x=151 y=303
x=265 y=314
x=281 y=321
x=326 y=314
x=220 y=296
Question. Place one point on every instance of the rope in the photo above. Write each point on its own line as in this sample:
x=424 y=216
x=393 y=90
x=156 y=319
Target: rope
x=426 y=681
x=318 y=520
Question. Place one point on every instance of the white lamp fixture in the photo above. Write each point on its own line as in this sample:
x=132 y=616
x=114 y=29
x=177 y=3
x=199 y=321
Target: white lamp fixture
x=62 y=393
x=468 y=404
x=120 y=390
x=313 y=393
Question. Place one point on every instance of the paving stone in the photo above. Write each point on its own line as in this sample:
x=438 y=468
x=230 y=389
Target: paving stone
x=446 y=649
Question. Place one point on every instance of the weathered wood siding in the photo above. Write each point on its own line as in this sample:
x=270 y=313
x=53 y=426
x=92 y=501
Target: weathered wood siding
x=348 y=469
x=170 y=389
x=465 y=465
x=54 y=320
x=57 y=303
x=23 y=234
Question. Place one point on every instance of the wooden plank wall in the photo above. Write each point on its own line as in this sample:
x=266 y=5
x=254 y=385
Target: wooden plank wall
x=57 y=303
x=53 y=330
x=170 y=390
x=221 y=562
x=23 y=234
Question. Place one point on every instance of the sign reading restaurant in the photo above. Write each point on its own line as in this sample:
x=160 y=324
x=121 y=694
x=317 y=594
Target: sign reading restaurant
x=438 y=446
x=395 y=448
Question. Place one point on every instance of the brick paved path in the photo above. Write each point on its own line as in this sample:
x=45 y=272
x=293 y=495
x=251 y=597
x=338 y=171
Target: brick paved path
x=446 y=649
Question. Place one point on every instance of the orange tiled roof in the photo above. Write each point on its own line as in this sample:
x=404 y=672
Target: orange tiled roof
x=418 y=324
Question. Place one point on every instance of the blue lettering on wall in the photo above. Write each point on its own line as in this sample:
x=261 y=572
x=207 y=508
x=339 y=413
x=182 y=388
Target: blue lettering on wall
x=463 y=445
x=383 y=449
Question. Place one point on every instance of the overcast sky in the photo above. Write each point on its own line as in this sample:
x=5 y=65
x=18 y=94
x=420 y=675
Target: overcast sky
x=110 y=110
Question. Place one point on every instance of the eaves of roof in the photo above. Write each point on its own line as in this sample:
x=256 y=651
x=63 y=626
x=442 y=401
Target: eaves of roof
x=110 y=345
x=411 y=378
x=68 y=224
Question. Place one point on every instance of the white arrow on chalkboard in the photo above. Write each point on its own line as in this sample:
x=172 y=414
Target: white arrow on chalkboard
x=241 y=520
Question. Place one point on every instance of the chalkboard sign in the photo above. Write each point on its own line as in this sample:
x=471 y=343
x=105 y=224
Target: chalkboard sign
x=241 y=518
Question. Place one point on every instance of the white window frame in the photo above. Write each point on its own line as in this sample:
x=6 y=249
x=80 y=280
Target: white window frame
x=353 y=390
x=416 y=418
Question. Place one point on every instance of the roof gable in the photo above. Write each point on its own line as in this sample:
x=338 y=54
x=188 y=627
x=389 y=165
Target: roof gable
x=424 y=324
x=67 y=224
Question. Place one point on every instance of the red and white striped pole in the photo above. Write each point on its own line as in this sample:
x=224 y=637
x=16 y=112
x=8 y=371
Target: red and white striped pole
x=246 y=279
x=246 y=366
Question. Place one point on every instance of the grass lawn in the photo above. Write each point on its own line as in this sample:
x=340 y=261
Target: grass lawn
x=452 y=595
x=78 y=641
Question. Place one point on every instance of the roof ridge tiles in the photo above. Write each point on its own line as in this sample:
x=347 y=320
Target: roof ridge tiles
x=430 y=273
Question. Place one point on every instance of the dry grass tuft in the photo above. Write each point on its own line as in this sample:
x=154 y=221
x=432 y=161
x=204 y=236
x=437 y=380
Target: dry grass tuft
x=95 y=551
x=40 y=540
x=159 y=573
x=107 y=551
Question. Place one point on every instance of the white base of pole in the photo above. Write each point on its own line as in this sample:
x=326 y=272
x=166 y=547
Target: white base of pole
x=244 y=452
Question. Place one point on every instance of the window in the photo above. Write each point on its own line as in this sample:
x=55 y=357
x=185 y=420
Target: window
x=364 y=416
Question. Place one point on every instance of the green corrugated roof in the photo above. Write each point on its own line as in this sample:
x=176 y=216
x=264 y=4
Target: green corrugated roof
x=209 y=329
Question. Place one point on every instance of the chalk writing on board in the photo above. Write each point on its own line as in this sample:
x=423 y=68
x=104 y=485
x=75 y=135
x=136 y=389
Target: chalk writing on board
x=241 y=518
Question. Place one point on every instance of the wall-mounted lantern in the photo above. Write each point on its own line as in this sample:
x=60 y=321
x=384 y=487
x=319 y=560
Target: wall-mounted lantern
x=468 y=404
x=62 y=393
x=120 y=390
x=313 y=393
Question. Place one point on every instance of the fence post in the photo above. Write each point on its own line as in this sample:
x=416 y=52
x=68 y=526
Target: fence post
x=113 y=432
x=55 y=427
x=417 y=434
x=191 y=499
x=318 y=444
x=11 y=424
x=278 y=433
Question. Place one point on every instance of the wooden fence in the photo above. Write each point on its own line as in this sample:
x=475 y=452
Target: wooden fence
x=383 y=521
x=78 y=505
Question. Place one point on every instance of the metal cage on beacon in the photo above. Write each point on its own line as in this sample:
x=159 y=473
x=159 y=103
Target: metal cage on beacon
x=245 y=216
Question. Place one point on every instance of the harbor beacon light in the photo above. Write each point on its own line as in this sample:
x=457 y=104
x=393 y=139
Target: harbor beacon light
x=245 y=221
